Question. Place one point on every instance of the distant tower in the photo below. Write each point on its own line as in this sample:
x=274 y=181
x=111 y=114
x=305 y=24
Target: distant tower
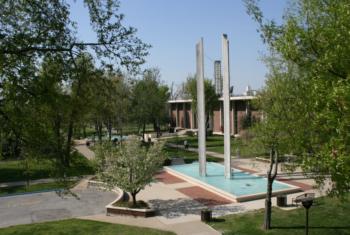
x=248 y=91
x=218 y=77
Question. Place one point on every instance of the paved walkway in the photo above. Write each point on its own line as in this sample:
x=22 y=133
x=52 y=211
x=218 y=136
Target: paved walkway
x=192 y=227
x=179 y=206
x=38 y=207
x=84 y=150
x=177 y=212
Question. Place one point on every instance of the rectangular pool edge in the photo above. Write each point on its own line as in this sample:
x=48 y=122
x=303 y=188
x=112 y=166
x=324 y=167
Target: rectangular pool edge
x=229 y=196
x=206 y=186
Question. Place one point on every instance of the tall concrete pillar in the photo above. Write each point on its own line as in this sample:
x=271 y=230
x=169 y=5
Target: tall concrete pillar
x=201 y=108
x=226 y=96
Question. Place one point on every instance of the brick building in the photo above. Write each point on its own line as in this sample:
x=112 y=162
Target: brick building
x=241 y=110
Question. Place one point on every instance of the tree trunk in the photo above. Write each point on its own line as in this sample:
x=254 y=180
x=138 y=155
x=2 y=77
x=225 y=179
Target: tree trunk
x=143 y=131
x=98 y=128
x=270 y=178
x=27 y=173
x=121 y=137
x=157 y=128
x=57 y=131
x=154 y=125
x=267 y=216
x=109 y=128
x=72 y=117
x=84 y=131
x=206 y=127
x=69 y=142
x=17 y=147
x=133 y=194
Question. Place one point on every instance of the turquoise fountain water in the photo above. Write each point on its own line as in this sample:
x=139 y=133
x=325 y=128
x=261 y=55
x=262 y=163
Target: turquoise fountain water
x=241 y=184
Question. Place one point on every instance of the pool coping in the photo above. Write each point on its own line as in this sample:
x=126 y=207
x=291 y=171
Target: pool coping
x=229 y=196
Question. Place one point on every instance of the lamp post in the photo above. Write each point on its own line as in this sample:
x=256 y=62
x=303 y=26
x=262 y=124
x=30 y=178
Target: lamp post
x=306 y=200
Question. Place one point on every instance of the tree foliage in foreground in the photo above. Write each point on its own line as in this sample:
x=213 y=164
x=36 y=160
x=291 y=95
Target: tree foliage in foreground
x=45 y=71
x=131 y=166
x=276 y=132
x=306 y=100
x=314 y=37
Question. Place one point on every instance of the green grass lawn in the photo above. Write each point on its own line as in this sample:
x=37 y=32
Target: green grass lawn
x=329 y=216
x=78 y=227
x=11 y=171
x=33 y=188
x=188 y=156
x=215 y=143
x=129 y=129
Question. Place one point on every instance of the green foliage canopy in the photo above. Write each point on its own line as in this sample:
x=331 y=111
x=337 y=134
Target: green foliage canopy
x=314 y=36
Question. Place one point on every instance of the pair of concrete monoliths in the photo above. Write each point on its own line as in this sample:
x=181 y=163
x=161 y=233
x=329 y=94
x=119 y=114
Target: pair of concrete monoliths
x=201 y=106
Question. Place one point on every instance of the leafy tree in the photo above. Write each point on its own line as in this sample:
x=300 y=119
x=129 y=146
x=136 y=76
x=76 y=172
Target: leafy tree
x=122 y=103
x=108 y=96
x=314 y=37
x=149 y=97
x=281 y=101
x=211 y=98
x=35 y=28
x=52 y=103
x=130 y=167
x=37 y=38
x=309 y=91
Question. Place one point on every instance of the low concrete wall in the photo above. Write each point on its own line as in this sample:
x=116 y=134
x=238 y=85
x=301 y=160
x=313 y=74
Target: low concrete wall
x=130 y=211
x=111 y=209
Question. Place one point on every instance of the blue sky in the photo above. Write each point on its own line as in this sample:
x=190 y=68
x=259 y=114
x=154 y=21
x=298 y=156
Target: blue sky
x=173 y=27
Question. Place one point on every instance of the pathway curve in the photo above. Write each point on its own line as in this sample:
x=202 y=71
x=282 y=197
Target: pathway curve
x=194 y=227
x=178 y=212
x=85 y=151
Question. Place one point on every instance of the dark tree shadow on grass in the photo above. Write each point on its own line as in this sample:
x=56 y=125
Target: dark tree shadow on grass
x=174 y=208
x=217 y=220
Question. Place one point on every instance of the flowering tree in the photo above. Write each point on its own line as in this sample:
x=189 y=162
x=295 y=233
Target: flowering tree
x=131 y=166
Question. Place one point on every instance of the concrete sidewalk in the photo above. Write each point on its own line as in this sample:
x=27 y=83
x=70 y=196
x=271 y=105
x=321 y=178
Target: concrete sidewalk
x=178 y=212
x=193 y=227
x=85 y=151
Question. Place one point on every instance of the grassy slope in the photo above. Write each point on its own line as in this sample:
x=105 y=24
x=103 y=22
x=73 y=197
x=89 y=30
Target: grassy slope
x=186 y=155
x=329 y=216
x=33 y=188
x=215 y=143
x=14 y=170
x=78 y=227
